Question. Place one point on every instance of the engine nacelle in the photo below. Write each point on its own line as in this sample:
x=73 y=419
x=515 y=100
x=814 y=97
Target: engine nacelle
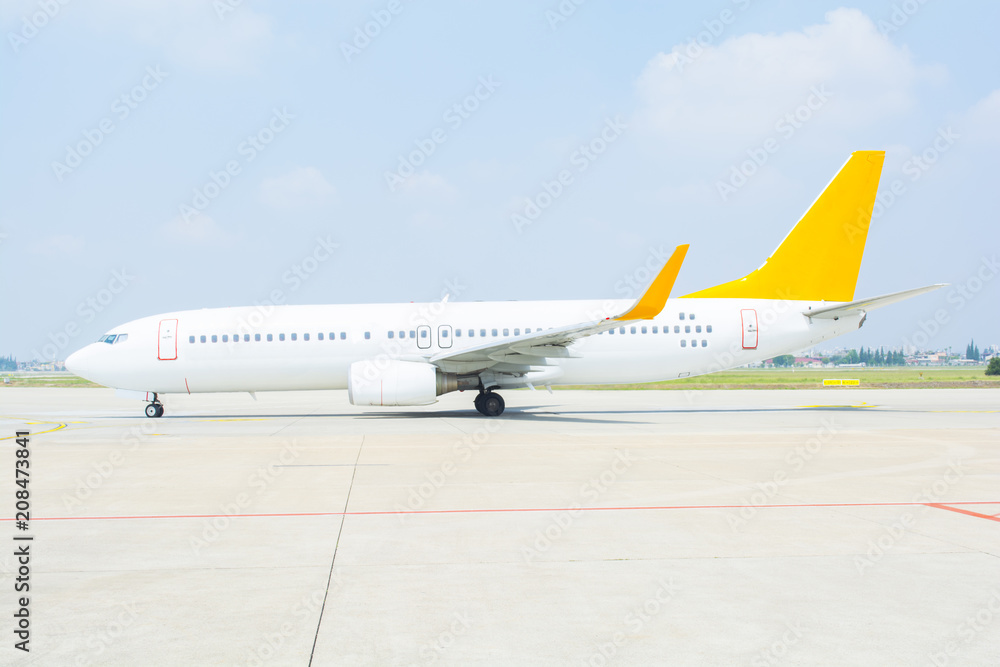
x=395 y=382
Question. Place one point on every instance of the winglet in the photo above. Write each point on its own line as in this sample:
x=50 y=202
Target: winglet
x=655 y=297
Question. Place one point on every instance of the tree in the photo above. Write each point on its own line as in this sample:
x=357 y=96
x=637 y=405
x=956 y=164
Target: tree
x=783 y=360
x=993 y=368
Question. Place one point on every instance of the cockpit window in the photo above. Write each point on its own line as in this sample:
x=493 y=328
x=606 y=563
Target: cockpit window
x=121 y=338
x=109 y=339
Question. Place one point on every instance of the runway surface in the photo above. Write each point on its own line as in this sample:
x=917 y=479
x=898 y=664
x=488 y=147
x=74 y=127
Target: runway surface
x=838 y=526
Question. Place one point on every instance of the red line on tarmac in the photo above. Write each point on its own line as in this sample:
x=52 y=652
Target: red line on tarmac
x=508 y=510
x=955 y=509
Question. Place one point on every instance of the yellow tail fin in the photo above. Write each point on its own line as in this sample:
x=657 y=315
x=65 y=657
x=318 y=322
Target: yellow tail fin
x=820 y=258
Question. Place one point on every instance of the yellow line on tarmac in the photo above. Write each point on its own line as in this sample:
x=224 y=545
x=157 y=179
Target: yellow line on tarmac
x=61 y=425
x=863 y=405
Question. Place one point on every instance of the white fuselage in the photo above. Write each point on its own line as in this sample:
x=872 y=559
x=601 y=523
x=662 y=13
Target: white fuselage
x=195 y=351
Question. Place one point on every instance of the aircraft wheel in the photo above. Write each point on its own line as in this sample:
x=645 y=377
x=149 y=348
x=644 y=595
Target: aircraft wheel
x=159 y=409
x=492 y=404
x=154 y=410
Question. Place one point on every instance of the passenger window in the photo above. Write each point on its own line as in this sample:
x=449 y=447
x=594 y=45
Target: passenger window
x=506 y=332
x=684 y=343
x=256 y=338
x=704 y=343
x=655 y=330
x=494 y=332
x=270 y=338
x=472 y=333
x=697 y=329
x=281 y=337
x=423 y=333
x=708 y=328
x=343 y=335
x=611 y=332
x=517 y=332
x=621 y=330
x=368 y=335
x=677 y=328
x=319 y=336
x=482 y=333
x=332 y=335
x=402 y=334
x=458 y=333
x=682 y=316
x=444 y=333
x=690 y=316
x=305 y=336
x=694 y=343
x=413 y=334
x=190 y=339
x=632 y=330
x=687 y=329
x=295 y=336
x=225 y=338
x=527 y=331
x=391 y=334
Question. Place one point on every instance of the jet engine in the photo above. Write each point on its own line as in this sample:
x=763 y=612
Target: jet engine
x=395 y=382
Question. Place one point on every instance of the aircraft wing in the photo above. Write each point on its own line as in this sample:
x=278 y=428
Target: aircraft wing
x=534 y=348
x=864 y=305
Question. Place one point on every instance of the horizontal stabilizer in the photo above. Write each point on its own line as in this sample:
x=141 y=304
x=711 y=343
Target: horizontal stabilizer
x=854 y=307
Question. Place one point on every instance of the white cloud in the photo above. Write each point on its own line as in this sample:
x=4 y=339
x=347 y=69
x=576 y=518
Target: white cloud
x=982 y=121
x=191 y=33
x=198 y=229
x=299 y=188
x=734 y=93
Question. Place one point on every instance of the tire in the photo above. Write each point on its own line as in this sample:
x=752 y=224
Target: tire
x=152 y=410
x=492 y=404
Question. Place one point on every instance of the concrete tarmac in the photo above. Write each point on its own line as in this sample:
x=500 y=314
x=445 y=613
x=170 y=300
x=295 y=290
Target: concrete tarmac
x=838 y=526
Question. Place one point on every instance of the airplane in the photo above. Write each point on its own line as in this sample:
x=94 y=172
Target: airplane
x=409 y=354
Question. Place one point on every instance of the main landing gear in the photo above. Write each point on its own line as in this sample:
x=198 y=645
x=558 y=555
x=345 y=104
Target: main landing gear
x=489 y=403
x=154 y=409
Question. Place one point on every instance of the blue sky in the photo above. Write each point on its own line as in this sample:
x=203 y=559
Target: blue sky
x=184 y=154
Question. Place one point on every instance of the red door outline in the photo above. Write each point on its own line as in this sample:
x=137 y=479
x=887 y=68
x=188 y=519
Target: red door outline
x=748 y=318
x=166 y=348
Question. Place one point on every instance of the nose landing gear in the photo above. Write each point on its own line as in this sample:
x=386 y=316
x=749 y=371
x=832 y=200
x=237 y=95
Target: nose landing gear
x=154 y=409
x=490 y=404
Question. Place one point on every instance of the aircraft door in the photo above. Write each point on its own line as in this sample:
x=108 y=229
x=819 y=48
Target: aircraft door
x=444 y=335
x=749 y=319
x=423 y=336
x=167 y=345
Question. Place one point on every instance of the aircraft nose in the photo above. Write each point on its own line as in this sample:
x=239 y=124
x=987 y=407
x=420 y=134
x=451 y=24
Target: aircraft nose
x=76 y=363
